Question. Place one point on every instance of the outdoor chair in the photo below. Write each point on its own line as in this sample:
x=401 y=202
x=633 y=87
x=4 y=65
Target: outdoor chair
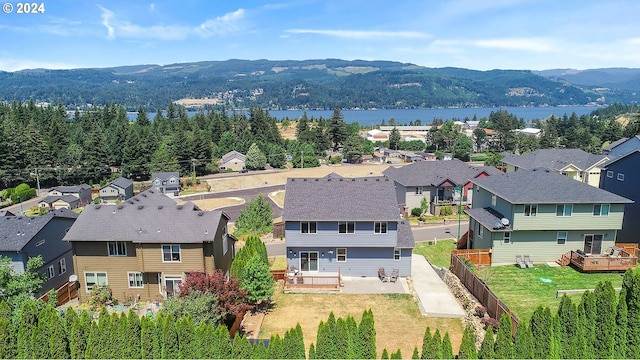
x=382 y=275
x=527 y=261
x=394 y=275
x=520 y=262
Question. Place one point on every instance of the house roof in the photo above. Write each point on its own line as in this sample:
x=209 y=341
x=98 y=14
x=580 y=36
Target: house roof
x=66 y=198
x=405 y=236
x=71 y=189
x=615 y=144
x=232 y=155
x=17 y=231
x=151 y=197
x=165 y=175
x=6 y=213
x=433 y=173
x=617 y=158
x=543 y=186
x=120 y=182
x=334 y=198
x=554 y=159
x=145 y=224
x=489 y=218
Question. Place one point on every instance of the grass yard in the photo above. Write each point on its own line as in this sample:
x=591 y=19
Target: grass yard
x=438 y=254
x=398 y=322
x=522 y=290
x=278 y=197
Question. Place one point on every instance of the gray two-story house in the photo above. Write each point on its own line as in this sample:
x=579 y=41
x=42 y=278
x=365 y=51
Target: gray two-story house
x=350 y=226
x=166 y=182
x=82 y=192
x=542 y=214
x=622 y=146
x=116 y=191
x=24 y=237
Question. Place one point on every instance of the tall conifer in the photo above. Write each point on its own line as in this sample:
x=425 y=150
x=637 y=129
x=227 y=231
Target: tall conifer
x=468 y=345
x=523 y=347
x=486 y=348
x=622 y=323
x=504 y=339
x=605 y=306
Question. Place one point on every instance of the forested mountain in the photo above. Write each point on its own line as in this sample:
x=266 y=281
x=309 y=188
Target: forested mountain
x=309 y=84
x=613 y=78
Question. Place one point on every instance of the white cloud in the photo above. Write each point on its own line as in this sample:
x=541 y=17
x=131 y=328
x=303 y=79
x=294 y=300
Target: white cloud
x=522 y=44
x=363 y=34
x=152 y=7
x=222 y=25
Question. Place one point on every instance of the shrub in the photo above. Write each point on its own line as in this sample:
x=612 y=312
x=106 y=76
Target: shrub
x=100 y=296
x=489 y=321
x=416 y=212
x=446 y=210
x=480 y=311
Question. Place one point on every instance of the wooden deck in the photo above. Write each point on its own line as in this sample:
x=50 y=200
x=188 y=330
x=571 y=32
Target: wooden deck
x=303 y=282
x=587 y=263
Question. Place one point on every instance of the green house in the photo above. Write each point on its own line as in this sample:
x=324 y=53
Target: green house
x=542 y=214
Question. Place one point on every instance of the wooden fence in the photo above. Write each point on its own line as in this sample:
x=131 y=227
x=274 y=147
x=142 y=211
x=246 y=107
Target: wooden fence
x=278 y=274
x=478 y=288
x=630 y=248
x=278 y=230
x=66 y=293
x=479 y=257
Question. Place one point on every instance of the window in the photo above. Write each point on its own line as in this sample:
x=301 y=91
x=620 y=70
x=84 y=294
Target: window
x=621 y=176
x=507 y=238
x=380 y=227
x=493 y=200
x=170 y=253
x=346 y=227
x=40 y=242
x=135 y=280
x=308 y=261
x=117 y=248
x=480 y=231
x=95 y=278
x=225 y=240
x=601 y=210
x=610 y=174
x=308 y=227
x=561 y=238
x=62 y=266
x=341 y=254
x=396 y=254
x=418 y=190
x=172 y=285
x=564 y=210
x=51 y=272
x=530 y=210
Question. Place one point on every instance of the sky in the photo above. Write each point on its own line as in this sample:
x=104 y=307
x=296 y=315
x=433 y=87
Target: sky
x=473 y=34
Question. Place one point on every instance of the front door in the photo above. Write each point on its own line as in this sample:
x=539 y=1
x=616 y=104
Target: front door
x=308 y=261
x=593 y=244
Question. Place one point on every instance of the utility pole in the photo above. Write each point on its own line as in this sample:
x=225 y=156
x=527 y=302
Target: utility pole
x=301 y=159
x=37 y=182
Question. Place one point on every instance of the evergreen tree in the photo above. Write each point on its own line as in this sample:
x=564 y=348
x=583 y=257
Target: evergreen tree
x=255 y=159
x=222 y=345
x=337 y=128
x=204 y=341
x=396 y=355
x=257 y=280
x=622 y=323
x=434 y=348
x=147 y=338
x=57 y=336
x=255 y=218
x=542 y=332
x=276 y=347
x=567 y=331
x=588 y=304
x=41 y=333
x=92 y=348
x=631 y=288
x=605 y=301
x=394 y=138
x=341 y=345
x=186 y=338
x=7 y=339
x=293 y=344
x=416 y=354
x=425 y=343
x=241 y=348
x=523 y=347
x=366 y=338
x=468 y=345
x=28 y=323
x=504 y=340
x=486 y=349
x=312 y=352
x=260 y=351
x=385 y=354
x=326 y=339
x=582 y=350
x=447 y=349
x=170 y=347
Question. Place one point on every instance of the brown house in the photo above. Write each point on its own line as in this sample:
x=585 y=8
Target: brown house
x=144 y=251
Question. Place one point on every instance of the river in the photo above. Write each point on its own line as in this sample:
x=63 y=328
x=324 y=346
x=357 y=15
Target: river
x=426 y=116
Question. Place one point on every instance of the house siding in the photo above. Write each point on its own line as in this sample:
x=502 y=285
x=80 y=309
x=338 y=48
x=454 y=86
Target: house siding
x=628 y=188
x=541 y=245
x=360 y=261
x=327 y=235
x=626 y=147
x=581 y=218
x=482 y=199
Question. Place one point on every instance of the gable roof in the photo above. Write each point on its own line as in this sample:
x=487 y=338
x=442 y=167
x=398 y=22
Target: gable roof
x=433 y=173
x=232 y=155
x=71 y=189
x=615 y=144
x=120 y=182
x=145 y=224
x=405 y=236
x=17 y=231
x=334 y=198
x=554 y=159
x=543 y=186
x=6 y=213
x=165 y=175
x=70 y=199
x=617 y=158
x=151 y=197
x=488 y=217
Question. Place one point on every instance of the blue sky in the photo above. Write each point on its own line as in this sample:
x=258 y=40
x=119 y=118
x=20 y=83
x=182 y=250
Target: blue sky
x=474 y=34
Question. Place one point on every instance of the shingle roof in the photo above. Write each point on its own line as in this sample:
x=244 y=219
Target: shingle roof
x=615 y=144
x=71 y=189
x=151 y=197
x=145 y=224
x=405 y=236
x=489 y=218
x=543 y=186
x=165 y=175
x=6 y=213
x=66 y=198
x=17 y=231
x=554 y=159
x=335 y=198
x=231 y=155
x=433 y=173
x=615 y=159
x=120 y=182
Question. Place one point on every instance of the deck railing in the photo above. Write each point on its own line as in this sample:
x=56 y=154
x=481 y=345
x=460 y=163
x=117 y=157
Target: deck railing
x=302 y=281
x=622 y=262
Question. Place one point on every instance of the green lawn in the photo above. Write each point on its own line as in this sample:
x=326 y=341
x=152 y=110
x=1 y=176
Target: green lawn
x=438 y=254
x=522 y=290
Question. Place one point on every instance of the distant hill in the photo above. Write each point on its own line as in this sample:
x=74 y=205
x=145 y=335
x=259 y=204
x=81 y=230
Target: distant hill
x=614 y=78
x=312 y=84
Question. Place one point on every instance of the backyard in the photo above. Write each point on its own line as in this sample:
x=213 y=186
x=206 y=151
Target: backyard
x=398 y=322
x=522 y=290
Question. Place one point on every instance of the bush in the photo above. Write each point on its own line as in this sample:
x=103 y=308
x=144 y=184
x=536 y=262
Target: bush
x=480 y=311
x=489 y=321
x=446 y=211
x=100 y=296
x=335 y=160
x=416 y=212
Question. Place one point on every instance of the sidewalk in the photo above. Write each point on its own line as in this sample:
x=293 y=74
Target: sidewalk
x=435 y=298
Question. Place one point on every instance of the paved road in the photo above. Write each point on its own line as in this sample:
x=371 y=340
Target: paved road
x=430 y=232
x=19 y=209
x=246 y=194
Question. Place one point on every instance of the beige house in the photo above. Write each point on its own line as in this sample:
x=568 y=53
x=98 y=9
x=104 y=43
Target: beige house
x=143 y=251
x=232 y=160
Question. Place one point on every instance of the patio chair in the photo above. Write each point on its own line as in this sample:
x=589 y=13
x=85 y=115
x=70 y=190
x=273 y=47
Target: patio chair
x=382 y=275
x=394 y=275
x=520 y=262
x=527 y=261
